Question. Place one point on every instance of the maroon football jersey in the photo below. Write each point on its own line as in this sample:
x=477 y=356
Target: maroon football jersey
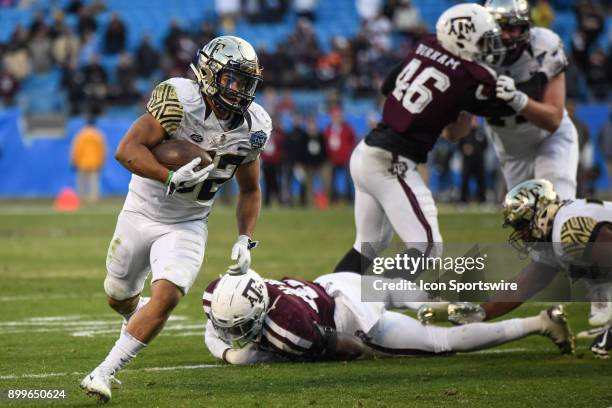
x=296 y=307
x=426 y=93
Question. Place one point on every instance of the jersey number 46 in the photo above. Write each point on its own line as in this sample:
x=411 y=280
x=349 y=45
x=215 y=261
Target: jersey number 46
x=413 y=94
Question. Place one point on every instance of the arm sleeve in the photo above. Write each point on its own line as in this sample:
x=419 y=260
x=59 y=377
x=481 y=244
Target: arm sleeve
x=215 y=345
x=389 y=82
x=165 y=106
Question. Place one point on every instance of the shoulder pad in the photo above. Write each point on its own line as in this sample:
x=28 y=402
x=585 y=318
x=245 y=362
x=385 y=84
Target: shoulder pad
x=164 y=106
x=575 y=234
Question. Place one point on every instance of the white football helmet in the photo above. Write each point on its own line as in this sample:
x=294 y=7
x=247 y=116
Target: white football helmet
x=530 y=208
x=238 y=307
x=470 y=32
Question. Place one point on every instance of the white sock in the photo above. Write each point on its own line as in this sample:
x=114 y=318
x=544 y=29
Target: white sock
x=124 y=350
x=478 y=336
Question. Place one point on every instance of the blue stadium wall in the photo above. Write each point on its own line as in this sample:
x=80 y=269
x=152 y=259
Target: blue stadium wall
x=40 y=167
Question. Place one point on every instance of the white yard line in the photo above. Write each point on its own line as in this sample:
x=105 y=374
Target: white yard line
x=146 y=369
x=503 y=351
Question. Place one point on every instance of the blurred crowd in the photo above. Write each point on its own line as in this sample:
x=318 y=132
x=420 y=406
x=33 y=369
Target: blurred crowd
x=353 y=66
x=316 y=158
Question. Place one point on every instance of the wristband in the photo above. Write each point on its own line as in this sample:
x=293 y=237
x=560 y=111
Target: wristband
x=167 y=183
x=519 y=101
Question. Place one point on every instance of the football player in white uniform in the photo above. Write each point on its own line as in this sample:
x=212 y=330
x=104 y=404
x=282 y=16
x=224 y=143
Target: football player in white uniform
x=580 y=237
x=252 y=320
x=536 y=138
x=163 y=225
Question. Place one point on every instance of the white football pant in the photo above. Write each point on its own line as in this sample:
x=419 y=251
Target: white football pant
x=390 y=195
x=173 y=252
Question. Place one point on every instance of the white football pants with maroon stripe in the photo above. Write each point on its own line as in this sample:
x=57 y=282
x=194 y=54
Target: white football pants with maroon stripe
x=390 y=195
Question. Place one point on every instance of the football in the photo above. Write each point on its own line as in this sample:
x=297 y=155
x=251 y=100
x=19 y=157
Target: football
x=173 y=154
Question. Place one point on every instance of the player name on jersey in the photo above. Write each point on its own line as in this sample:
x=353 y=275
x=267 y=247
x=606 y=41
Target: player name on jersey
x=437 y=56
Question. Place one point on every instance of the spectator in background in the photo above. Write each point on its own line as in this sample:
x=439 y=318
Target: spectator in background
x=207 y=31
x=37 y=23
x=597 y=77
x=305 y=9
x=339 y=143
x=379 y=32
x=115 y=35
x=303 y=51
x=590 y=21
x=272 y=161
x=368 y=9
x=147 y=58
x=65 y=47
x=88 y=155
x=313 y=161
x=87 y=22
x=16 y=59
x=8 y=88
x=542 y=14
x=293 y=151
x=580 y=52
x=228 y=11
x=473 y=147
x=605 y=142
x=125 y=93
x=407 y=20
x=89 y=48
x=73 y=81
x=172 y=38
x=39 y=48
x=74 y=7
x=95 y=88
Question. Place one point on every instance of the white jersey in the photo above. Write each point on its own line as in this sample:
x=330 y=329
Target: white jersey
x=573 y=227
x=544 y=59
x=180 y=108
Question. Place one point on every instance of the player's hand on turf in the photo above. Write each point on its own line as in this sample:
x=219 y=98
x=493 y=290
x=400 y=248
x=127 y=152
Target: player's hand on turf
x=505 y=89
x=241 y=254
x=187 y=176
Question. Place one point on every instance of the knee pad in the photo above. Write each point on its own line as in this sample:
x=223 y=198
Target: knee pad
x=119 y=289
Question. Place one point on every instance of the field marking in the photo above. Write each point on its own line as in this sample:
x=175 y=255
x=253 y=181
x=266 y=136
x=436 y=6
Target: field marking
x=145 y=369
x=504 y=351
x=20 y=298
x=79 y=326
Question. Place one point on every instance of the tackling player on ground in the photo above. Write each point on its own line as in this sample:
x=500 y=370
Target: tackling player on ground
x=574 y=236
x=253 y=320
x=163 y=225
x=442 y=76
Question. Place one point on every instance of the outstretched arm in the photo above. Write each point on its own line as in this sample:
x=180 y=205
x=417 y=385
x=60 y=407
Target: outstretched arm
x=546 y=114
x=249 y=197
x=532 y=279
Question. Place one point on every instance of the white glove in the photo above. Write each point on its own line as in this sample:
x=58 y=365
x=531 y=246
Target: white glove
x=187 y=177
x=241 y=253
x=245 y=355
x=505 y=89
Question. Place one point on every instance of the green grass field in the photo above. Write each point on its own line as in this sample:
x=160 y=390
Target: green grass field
x=55 y=326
